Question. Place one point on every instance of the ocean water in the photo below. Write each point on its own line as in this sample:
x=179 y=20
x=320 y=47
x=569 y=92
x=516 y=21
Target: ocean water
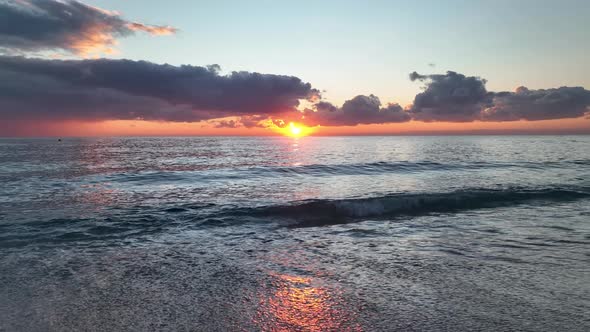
x=486 y=233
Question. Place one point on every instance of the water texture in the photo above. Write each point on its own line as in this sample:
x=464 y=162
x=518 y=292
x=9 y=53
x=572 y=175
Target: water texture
x=295 y=234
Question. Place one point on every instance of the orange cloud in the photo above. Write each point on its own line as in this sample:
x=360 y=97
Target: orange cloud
x=92 y=42
x=155 y=30
x=70 y=26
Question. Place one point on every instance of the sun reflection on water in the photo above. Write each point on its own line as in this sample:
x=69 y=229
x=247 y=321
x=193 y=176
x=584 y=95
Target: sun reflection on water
x=296 y=304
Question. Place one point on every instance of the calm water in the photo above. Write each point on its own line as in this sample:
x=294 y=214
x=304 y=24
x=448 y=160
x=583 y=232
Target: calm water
x=282 y=234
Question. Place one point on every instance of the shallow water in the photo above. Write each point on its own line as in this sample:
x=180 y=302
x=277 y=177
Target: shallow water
x=314 y=234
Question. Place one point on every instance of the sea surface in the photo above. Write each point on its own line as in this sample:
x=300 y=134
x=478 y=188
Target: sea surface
x=466 y=233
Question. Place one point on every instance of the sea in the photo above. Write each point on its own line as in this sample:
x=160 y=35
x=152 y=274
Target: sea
x=397 y=233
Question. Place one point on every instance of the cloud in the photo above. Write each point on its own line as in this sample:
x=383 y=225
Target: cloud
x=71 y=26
x=225 y=123
x=359 y=110
x=34 y=89
x=105 y=89
x=454 y=97
x=152 y=29
x=543 y=104
x=450 y=97
x=259 y=121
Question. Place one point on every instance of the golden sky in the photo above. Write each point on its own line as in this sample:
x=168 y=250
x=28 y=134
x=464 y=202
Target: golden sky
x=149 y=128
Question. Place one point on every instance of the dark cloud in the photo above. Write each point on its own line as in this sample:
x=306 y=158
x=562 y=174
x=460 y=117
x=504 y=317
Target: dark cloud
x=543 y=104
x=49 y=25
x=123 y=89
x=455 y=97
x=450 y=97
x=103 y=89
x=225 y=124
x=41 y=98
x=252 y=121
x=359 y=110
x=325 y=107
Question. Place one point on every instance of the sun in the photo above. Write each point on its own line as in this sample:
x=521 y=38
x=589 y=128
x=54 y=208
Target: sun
x=294 y=130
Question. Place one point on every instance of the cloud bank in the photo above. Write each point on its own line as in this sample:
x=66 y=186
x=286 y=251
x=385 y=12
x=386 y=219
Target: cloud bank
x=543 y=104
x=450 y=97
x=68 y=25
x=123 y=89
x=103 y=89
x=359 y=110
x=454 y=97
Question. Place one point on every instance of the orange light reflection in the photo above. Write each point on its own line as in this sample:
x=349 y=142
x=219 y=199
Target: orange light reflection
x=296 y=305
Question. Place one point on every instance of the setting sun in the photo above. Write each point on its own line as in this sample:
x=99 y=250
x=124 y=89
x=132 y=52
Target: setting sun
x=295 y=130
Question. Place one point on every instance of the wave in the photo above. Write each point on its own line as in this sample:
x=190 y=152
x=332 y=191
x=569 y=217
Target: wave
x=407 y=166
x=128 y=224
x=319 y=212
x=208 y=173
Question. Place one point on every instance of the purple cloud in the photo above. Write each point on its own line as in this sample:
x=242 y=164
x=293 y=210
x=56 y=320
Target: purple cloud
x=124 y=89
x=71 y=26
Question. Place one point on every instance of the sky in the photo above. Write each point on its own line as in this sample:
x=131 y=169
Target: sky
x=252 y=67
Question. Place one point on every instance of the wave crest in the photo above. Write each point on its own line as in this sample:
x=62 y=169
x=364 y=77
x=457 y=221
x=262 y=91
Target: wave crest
x=336 y=211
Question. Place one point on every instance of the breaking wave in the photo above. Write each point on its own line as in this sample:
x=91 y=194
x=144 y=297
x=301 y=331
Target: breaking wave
x=327 y=211
x=128 y=224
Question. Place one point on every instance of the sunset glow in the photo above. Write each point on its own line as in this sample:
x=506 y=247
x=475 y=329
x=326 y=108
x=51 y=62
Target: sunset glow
x=295 y=130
